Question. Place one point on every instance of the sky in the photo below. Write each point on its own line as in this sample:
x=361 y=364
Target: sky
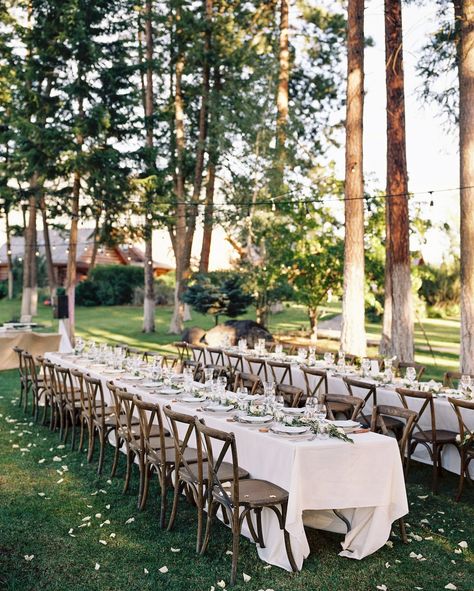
x=432 y=151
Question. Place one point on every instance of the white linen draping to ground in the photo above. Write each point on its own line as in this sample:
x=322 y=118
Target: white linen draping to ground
x=364 y=479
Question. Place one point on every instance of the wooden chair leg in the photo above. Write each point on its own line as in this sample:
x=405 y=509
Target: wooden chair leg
x=403 y=531
x=90 y=450
x=118 y=443
x=81 y=433
x=174 y=508
x=235 y=545
x=73 y=429
x=146 y=487
x=101 y=452
x=164 y=489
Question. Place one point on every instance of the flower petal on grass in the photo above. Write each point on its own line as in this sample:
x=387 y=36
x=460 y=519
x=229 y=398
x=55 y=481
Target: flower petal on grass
x=246 y=578
x=175 y=549
x=221 y=584
x=462 y=544
x=103 y=542
x=28 y=557
x=97 y=566
x=163 y=569
x=42 y=461
x=382 y=587
x=107 y=506
x=88 y=518
x=56 y=459
x=130 y=520
x=145 y=570
x=41 y=494
x=112 y=535
x=451 y=587
x=106 y=522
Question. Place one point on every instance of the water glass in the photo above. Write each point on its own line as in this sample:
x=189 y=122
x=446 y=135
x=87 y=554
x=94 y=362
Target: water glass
x=302 y=352
x=323 y=431
x=310 y=407
x=365 y=365
x=243 y=345
x=341 y=358
x=279 y=350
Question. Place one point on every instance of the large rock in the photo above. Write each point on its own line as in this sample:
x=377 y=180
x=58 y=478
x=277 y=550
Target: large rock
x=193 y=335
x=235 y=330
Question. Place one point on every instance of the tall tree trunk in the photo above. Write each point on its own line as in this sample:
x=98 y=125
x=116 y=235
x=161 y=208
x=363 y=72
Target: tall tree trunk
x=466 y=152
x=29 y=296
x=202 y=132
x=385 y=347
x=95 y=246
x=52 y=279
x=397 y=186
x=353 y=337
x=9 y=256
x=71 y=270
x=179 y=236
x=208 y=219
x=282 y=96
x=149 y=299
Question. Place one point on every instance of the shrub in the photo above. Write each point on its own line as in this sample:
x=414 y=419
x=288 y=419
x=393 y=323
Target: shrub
x=109 y=285
x=3 y=289
x=164 y=294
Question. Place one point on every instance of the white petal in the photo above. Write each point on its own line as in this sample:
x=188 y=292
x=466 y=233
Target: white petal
x=29 y=557
x=457 y=551
x=41 y=494
x=60 y=481
x=145 y=570
x=246 y=578
x=56 y=459
x=389 y=543
x=103 y=542
x=107 y=506
x=175 y=549
x=221 y=584
x=450 y=586
x=97 y=566
x=462 y=544
x=382 y=587
x=163 y=569
x=98 y=515
x=42 y=461
x=112 y=535
x=130 y=520
x=88 y=518
x=229 y=552
x=422 y=497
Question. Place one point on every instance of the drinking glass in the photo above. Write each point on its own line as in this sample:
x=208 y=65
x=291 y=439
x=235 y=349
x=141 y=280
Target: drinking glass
x=242 y=392
x=278 y=349
x=465 y=383
x=365 y=367
x=323 y=431
x=310 y=407
x=302 y=352
x=410 y=375
x=156 y=373
x=341 y=358
x=268 y=388
x=328 y=358
x=320 y=411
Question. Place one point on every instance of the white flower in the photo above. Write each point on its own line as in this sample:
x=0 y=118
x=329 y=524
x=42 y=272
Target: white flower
x=163 y=569
x=457 y=551
x=462 y=544
x=458 y=438
x=28 y=557
x=97 y=566
x=389 y=543
x=341 y=431
x=246 y=578
x=107 y=506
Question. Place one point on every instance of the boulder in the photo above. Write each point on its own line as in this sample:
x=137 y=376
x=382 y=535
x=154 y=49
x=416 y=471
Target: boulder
x=193 y=335
x=235 y=330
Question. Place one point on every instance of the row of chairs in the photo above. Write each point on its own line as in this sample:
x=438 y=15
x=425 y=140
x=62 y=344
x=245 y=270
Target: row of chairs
x=72 y=399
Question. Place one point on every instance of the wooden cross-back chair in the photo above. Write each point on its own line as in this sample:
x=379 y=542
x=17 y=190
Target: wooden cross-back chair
x=35 y=382
x=378 y=424
x=250 y=381
x=335 y=402
x=450 y=377
x=432 y=439
x=281 y=372
x=157 y=449
x=215 y=356
x=235 y=363
x=316 y=381
x=71 y=400
x=101 y=418
x=401 y=366
x=25 y=383
x=198 y=353
x=466 y=440
x=240 y=498
x=257 y=367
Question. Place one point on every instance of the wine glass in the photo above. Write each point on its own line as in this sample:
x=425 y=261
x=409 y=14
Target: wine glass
x=320 y=411
x=278 y=350
x=465 y=383
x=365 y=367
x=302 y=354
x=328 y=358
x=310 y=407
x=410 y=375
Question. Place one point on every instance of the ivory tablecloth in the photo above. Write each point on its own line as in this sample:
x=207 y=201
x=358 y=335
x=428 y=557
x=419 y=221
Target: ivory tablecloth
x=33 y=342
x=364 y=479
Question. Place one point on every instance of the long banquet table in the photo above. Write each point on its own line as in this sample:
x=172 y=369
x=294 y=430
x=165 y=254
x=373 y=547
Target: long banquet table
x=363 y=480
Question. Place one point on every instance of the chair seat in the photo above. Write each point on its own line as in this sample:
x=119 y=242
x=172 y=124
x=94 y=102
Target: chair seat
x=258 y=493
x=225 y=472
x=442 y=436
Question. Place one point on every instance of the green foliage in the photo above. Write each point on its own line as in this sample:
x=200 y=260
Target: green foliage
x=3 y=289
x=441 y=287
x=109 y=285
x=218 y=293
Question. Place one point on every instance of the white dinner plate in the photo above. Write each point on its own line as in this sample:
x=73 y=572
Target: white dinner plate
x=255 y=420
x=151 y=384
x=132 y=378
x=293 y=411
x=345 y=424
x=289 y=429
x=169 y=391
x=195 y=399
x=219 y=408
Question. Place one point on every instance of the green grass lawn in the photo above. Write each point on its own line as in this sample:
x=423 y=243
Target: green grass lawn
x=48 y=491
x=122 y=324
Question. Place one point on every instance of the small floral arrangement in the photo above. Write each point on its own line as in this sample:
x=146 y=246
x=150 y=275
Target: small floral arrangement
x=467 y=439
x=256 y=410
x=315 y=426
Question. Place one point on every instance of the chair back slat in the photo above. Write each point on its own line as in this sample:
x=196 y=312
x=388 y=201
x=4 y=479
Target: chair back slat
x=355 y=402
x=65 y=384
x=316 y=381
x=250 y=381
x=215 y=356
x=182 y=443
x=378 y=423
x=281 y=372
x=257 y=367
x=96 y=399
